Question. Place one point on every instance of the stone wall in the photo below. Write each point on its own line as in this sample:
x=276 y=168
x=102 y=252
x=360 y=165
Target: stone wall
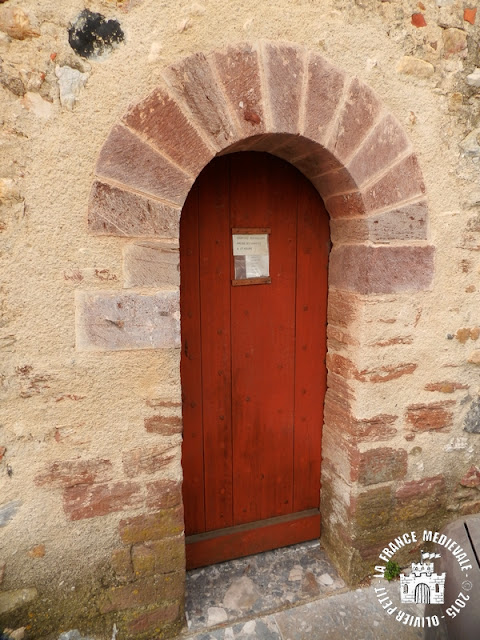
x=91 y=523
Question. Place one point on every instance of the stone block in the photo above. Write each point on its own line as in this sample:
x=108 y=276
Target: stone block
x=239 y=73
x=69 y=473
x=380 y=465
x=121 y=561
x=430 y=416
x=148 y=459
x=345 y=205
x=334 y=182
x=163 y=494
x=125 y=321
x=372 y=508
x=343 y=307
x=153 y=526
x=160 y=119
x=159 y=556
x=360 y=111
x=324 y=93
x=284 y=70
x=153 y=621
x=130 y=161
x=138 y=594
x=379 y=150
x=151 y=265
x=371 y=270
x=194 y=82
x=403 y=182
x=91 y=501
x=471 y=478
x=115 y=212
x=165 y=425
x=11 y=600
x=417 y=498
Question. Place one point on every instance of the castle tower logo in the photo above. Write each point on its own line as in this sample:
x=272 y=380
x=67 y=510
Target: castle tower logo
x=422 y=585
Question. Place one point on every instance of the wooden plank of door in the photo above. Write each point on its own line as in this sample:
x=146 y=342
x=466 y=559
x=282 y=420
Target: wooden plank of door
x=244 y=540
x=311 y=319
x=214 y=260
x=190 y=368
x=263 y=195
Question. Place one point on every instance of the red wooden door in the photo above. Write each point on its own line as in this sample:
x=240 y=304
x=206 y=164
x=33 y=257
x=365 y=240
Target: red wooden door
x=253 y=360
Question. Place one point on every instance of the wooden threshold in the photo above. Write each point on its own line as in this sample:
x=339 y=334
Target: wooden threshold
x=203 y=549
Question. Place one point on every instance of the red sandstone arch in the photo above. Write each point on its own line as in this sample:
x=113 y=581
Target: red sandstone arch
x=293 y=103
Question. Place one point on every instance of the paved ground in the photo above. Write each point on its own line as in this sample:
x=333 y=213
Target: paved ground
x=293 y=594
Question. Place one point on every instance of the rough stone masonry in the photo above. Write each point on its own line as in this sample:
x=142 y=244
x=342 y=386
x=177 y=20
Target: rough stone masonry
x=109 y=111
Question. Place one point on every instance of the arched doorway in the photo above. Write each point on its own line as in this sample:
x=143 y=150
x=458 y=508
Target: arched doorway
x=254 y=244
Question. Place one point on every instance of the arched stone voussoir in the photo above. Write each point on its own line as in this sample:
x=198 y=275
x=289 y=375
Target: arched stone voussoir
x=160 y=120
x=127 y=160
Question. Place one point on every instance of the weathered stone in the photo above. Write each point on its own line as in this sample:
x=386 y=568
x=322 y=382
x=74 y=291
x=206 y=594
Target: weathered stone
x=372 y=508
x=403 y=182
x=71 y=82
x=324 y=91
x=471 y=478
x=370 y=270
x=454 y=42
x=359 y=113
x=92 y=35
x=159 y=556
x=284 y=74
x=163 y=494
x=166 y=425
x=37 y=105
x=144 y=592
x=153 y=526
x=471 y=423
x=194 y=82
x=417 y=498
x=473 y=79
x=380 y=465
x=404 y=223
x=15 y=22
x=151 y=264
x=216 y=615
x=123 y=321
x=238 y=69
x=91 y=501
x=128 y=160
x=11 y=600
x=471 y=144
x=8 y=510
x=379 y=150
x=346 y=205
x=148 y=459
x=113 y=211
x=160 y=119
x=241 y=594
x=411 y=66
x=431 y=416
x=154 y=620
x=445 y=387
x=68 y=473
x=121 y=562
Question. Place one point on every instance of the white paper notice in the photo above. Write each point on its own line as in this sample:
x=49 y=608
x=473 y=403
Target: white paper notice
x=251 y=258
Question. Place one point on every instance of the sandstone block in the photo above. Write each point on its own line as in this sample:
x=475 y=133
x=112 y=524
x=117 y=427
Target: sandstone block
x=69 y=473
x=417 y=498
x=324 y=92
x=126 y=159
x=346 y=205
x=91 y=501
x=159 y=556
x=370 y=270
x=163 y=494
x=153 y=621
x=284 y=69
x=238 y=69
x=431 y=416
x=385 y=143
x=359 y=113
x=372 y=508
x=124 y=321
x=154 y=526
x=193 y=81
x=334 y=182
x=150 y=265
x=165 y=425
x=112 y=211
x=380 y=465
x=148 y=459
x=160 y=119
x=121 y=562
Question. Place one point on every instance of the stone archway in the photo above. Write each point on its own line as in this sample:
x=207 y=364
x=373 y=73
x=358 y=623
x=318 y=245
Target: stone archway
x=293 y=103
